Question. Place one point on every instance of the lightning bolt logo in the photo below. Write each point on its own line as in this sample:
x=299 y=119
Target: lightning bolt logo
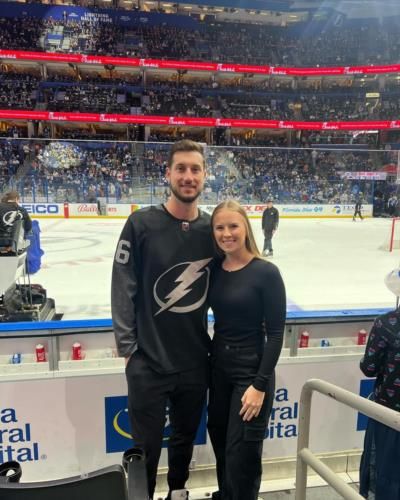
x=9 y=218
x=193 y=271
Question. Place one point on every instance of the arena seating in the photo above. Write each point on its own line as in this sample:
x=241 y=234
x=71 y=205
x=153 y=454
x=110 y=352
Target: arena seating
x=66 y=169
x=301 y=45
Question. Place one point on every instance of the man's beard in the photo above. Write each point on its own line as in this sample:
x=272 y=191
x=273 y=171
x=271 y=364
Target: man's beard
x=184 y=199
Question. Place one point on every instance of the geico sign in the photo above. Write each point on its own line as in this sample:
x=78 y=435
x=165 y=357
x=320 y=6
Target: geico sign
x=87 y=208
x=37 y=208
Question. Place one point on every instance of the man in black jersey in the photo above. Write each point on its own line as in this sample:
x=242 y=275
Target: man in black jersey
x=159 y=288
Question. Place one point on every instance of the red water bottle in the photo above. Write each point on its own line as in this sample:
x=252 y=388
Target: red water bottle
x=76 y=351
x=40 y=353
x=304 y=338
x=362 y=337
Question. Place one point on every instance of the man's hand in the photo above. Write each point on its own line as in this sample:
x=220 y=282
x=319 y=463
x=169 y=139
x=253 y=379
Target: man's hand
x=252 y=401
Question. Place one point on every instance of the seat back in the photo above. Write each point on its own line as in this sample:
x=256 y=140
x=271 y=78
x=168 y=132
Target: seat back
x=10 y=472
x=104 y=484
x=13 y=253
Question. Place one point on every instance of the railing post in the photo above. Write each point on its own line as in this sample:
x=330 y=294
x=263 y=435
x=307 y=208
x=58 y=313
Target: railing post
x=305 y=457
x=303 y=441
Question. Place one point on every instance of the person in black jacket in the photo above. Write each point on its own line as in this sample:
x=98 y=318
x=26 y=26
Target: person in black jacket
x=357 y=210
x=159 y=288
x=248 y=299
x=10 y=213
x=270 y=222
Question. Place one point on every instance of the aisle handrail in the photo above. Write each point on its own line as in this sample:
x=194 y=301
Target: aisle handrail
x=305 y=457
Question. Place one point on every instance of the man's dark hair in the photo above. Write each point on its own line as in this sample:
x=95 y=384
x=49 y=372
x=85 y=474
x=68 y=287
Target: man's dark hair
x=10 y=197
x=185 y=145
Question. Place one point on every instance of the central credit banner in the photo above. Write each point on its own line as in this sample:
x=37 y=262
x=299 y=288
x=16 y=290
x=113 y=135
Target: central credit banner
x=81 y=422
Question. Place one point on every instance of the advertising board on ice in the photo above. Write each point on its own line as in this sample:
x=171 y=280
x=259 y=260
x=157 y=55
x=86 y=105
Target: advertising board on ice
x=43 y=208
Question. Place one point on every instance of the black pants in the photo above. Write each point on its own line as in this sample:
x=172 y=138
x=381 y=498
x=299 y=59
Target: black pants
x=380 y=463
x=148 y=394
x=268 y=233
x=237 y=444
x=357 y=212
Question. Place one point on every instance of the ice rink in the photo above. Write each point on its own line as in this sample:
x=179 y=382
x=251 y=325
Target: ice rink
x=326 y=263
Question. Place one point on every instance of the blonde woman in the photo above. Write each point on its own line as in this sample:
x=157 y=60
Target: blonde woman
x=247 y=296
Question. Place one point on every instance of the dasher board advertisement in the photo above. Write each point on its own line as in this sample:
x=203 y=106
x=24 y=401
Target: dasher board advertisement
x=60 y=427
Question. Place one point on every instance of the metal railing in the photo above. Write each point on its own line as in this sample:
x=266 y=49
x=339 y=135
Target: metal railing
x=305 y=457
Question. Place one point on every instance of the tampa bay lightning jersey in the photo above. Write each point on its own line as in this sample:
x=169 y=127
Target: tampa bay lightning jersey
x=160 y=280
x=10 y=213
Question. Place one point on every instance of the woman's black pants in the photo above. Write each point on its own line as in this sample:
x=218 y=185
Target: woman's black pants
x=237 y=444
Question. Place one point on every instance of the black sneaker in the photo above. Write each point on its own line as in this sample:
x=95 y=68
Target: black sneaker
x=216 y=496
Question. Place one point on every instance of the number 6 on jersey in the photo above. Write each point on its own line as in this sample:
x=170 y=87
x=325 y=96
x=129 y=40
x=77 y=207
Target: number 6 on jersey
x=123 y=252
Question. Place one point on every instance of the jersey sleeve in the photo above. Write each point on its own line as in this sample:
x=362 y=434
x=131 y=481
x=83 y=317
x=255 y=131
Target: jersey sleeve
x=124 y=288
x=26 y=218
x=274 y=303
x=373 y=359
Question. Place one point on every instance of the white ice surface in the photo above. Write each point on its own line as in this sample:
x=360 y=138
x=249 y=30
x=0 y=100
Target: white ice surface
x=326 y=263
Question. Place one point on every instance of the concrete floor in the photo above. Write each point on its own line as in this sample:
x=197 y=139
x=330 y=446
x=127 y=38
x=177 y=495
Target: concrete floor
x=317 y=493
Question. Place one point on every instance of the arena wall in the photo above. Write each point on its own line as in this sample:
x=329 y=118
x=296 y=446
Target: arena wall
x=120 y=210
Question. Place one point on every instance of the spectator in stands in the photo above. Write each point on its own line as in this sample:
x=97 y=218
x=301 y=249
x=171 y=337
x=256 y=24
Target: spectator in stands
x=380 y=461
x=252 y=175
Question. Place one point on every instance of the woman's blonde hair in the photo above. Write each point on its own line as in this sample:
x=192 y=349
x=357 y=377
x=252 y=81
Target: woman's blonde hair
x=234 y=206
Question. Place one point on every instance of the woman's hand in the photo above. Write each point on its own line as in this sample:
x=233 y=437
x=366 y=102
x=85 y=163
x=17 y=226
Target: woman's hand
x=252 y=401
